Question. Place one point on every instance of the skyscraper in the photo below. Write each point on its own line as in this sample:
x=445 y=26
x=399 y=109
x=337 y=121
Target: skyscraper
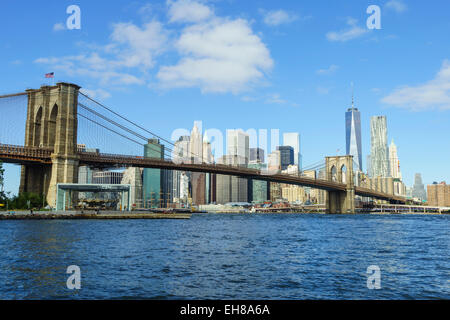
x=257 y=154
x=274 y=161
x=196 y=143
x=181 y=154
x=257 y=189
x=292 y=139
x=198 y=179
x=133 y=177
x=353 y=135
x=239 y=152
x=379 y=154
x=238 y=146
x=418 y=190
x=394 y=163
x=286 y=156
x=152 y=184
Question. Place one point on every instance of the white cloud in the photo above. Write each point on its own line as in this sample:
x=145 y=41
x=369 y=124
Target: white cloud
x=188 y=11
x=219 y=55
x=277 y=17
x=348 y=34
x=216 y=54
x=331 y=69
x=276 y=99
x=96 y=93
x=139 y=45
x=59 y=27
x=396 y=5
x=433 y=94
x=130 y=47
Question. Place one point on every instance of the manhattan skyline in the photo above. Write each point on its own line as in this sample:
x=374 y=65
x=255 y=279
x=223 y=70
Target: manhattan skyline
x=305 y=59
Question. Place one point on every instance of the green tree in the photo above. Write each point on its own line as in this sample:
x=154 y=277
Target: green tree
x=21 y=201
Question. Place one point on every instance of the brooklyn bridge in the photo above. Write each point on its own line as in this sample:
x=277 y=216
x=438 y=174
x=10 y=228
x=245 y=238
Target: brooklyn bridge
x=57 y=118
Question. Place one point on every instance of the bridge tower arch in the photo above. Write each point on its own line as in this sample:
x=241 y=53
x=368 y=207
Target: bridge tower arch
x=340 y=169
x=51 y=123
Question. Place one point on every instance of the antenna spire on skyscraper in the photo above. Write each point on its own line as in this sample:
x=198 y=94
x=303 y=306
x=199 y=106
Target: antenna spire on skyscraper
x=353 y=100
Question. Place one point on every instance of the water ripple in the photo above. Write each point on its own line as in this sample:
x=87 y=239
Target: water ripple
x=228 y=257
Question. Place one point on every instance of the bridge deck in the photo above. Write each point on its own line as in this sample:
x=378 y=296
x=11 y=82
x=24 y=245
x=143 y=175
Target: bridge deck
x=34 y=155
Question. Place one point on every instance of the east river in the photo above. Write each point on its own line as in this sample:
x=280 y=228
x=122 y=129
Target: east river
x=219 y=256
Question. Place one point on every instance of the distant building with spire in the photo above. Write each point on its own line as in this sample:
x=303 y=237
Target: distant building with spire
x=353 y=135
x=394 y=163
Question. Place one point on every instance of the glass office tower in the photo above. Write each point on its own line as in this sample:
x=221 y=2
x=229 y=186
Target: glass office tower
x=353 y=136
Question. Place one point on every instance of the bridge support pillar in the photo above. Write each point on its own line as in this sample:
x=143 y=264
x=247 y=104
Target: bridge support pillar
x=340 y=169
x=52 y=123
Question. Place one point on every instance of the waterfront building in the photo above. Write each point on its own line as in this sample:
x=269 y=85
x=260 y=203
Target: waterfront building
x=155 y=181
x=439 y=194
x=394 y=163
x=286 y=156
x=207 y=158
x=379 y=154
x=133 y=177
x=257 y=154
x=231 y=188
x=198 y=188
x=181 y=154
x=239 y=151
x=223 y=182
x=85 y=175
x=107 y=177
x=292 y=139
x=293 y=194
x=353 y=135
x=312 y=194
x=275 y=191
x=197 y=179
x=418 y=190
x=321 y=194
x=257 y=189
x=274 y=162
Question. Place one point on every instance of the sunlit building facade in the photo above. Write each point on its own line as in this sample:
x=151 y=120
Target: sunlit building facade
x=353 y=136
x=379 y=154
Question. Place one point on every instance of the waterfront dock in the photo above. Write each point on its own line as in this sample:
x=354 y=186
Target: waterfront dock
x=90 y=215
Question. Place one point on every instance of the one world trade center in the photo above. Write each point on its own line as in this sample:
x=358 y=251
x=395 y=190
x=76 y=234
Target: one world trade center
x=353 y=136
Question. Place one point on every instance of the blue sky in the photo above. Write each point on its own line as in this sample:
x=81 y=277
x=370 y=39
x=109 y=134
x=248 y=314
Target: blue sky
x=283 y=65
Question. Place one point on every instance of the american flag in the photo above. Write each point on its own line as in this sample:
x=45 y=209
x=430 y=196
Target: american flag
x=50 y=75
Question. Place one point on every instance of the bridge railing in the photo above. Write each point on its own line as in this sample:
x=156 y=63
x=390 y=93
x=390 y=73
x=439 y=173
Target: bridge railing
x=31 y=152
x=116 y=160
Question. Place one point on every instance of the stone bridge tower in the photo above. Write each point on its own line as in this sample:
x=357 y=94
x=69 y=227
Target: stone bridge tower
x=51 y=123
x=340 y=169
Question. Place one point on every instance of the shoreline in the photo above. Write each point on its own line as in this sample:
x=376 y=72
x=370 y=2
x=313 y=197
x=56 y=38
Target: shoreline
x=78 y=215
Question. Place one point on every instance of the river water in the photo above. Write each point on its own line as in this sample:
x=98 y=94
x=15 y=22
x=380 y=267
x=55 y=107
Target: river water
x=218 y=256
